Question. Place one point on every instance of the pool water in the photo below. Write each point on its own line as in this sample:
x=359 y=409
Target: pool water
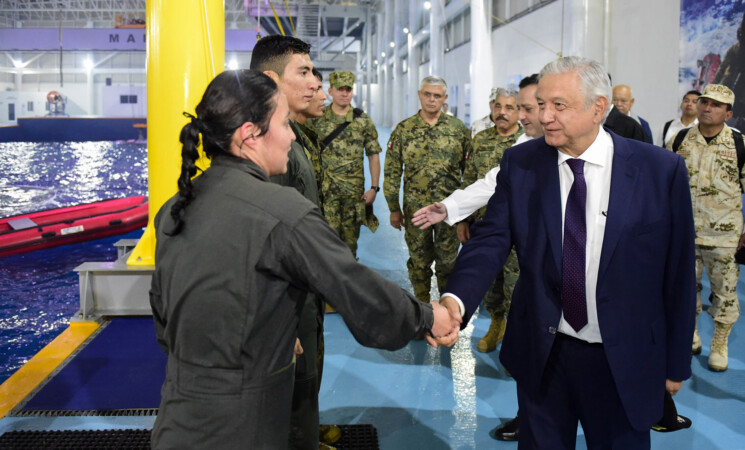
x=39 y=290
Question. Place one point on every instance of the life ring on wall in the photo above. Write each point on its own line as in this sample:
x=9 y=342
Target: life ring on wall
x=54 y=97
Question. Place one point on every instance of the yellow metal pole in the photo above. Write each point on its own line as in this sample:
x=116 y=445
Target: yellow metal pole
x=185 y=51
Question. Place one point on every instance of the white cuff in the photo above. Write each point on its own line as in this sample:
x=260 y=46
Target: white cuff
x=452 y=207
x=460 y=303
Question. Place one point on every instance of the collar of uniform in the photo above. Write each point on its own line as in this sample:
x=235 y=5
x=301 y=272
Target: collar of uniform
x=514 y=135
x=443 y=119
x=308 y=132
x=597 y=153
x=723 y=138
x=329 y=113
x=245 y=165
x=493 y=131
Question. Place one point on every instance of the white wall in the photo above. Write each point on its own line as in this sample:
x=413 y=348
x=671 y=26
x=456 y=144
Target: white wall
x=644 y=54
x=21 y=100
x=111 y=101
x=517 y=56
x=456 y=65
x=39 y=99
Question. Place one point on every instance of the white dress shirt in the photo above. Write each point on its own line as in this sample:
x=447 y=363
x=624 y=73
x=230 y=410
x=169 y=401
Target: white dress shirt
x=597 y=169
x=463 y=202
x=675 y=126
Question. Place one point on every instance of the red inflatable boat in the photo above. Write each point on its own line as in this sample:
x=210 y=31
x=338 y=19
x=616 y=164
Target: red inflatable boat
x=55 y=227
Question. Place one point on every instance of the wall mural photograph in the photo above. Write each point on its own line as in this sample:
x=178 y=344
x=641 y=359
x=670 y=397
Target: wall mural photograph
x=712 y=49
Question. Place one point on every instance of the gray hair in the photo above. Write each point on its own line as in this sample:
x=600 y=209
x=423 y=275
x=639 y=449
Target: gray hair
x=433 y=80
x=507 y=92
x=594 y=80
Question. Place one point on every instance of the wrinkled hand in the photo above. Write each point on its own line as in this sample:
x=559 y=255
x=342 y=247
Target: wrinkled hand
x=397 y=219
x=673 y=386
x=463 y=230
x=430 y=215
x=369 y=196
x=298 y=347
x=446 y=331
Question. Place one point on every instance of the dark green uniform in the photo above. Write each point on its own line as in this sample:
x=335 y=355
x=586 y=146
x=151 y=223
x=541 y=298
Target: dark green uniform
x=311 y=144
x=226 y=297
x=305 y=421
x=342 y=170
x=488 y=148
x=431 y=159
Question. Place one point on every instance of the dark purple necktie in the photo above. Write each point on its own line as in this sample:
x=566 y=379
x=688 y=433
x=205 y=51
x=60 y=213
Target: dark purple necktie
x=573 y=299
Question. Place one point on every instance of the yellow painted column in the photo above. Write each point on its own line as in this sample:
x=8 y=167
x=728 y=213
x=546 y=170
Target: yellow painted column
x=185 y=51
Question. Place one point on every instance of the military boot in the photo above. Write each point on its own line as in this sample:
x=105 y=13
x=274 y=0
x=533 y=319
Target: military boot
x=493 y=336
x=696 y=339
x=718 y=361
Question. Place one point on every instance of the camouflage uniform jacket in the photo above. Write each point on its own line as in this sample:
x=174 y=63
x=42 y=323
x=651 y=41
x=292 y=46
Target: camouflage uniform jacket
x=311 y=144
x=482 y=124
x=431 y=158
x=715 y=187
x=488 y=148
x=342 y=162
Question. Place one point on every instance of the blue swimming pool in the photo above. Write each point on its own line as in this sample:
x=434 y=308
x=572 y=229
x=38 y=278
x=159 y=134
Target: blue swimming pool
x=39 y=290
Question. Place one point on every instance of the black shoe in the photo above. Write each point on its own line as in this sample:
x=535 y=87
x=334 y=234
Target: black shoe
x=508 y=431
x=671 y=420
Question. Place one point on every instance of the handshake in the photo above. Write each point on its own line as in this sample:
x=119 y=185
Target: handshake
x=447 y=323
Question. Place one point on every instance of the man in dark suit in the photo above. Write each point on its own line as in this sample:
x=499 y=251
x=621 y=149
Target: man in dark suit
x=602 y=315
x=623 y=100
x=624 y=126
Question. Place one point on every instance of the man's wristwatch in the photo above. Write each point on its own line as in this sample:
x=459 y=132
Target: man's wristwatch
x=375 y=188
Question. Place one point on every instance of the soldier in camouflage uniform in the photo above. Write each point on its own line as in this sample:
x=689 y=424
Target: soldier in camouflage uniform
x=711 y=158
x=488 y=147
x=488 y=120
x=346 y=204
x=429 y=149
x=312 y=144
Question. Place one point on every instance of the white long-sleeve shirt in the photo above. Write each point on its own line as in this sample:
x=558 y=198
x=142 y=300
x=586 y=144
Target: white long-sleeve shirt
x=463 y=202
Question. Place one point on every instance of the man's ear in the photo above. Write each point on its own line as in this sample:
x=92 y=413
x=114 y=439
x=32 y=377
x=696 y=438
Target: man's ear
x=272 y=74
x=600 y=106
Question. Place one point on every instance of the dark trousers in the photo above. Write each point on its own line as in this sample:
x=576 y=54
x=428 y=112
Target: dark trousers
x=304 y=422
x=577 y=386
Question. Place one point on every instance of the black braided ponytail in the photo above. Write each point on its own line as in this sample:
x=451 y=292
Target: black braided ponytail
x=233 y=98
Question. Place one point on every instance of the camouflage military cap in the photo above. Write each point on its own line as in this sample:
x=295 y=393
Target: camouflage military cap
x=719 y=93
x=341 y=78
x=493 y=95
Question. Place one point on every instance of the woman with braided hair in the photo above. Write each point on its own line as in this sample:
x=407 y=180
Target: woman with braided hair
x=235 y=257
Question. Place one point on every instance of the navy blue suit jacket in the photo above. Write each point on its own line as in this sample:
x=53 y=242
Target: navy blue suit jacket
x=647 y=131
x=646 y=289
